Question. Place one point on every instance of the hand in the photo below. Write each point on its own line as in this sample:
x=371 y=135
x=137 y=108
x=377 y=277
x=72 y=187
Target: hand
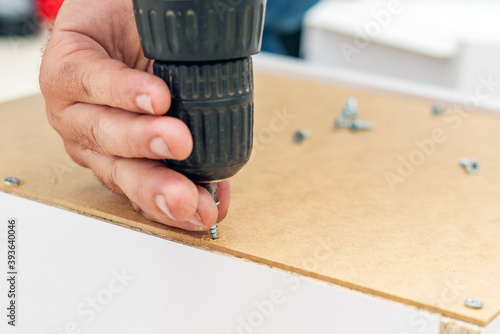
x=106 y=104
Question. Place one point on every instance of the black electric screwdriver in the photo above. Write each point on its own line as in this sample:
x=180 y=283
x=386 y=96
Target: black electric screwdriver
x=202 y=49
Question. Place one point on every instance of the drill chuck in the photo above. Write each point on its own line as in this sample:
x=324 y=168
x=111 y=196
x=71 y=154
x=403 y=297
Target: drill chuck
x=215 y=100
x=202 y=50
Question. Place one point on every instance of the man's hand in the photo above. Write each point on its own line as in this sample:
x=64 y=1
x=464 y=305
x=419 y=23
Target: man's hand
x=107 y=106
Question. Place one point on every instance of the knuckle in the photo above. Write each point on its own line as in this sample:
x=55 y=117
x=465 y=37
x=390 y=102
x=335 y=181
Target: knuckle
x=86 y=87
x=76 y=81
x=133 y=140
x=88 y=136
x=108 y=175
x=75 y=154
x=112 y=175
x=114 y=90
x=53 y=117
x=94 y=132
x=69 y=71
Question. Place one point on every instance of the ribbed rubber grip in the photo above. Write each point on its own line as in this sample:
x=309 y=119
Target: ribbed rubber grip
x=215 y=100
x=207 y=81
x=199 y=30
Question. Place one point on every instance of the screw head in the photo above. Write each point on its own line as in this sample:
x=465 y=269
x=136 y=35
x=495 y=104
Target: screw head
x=12 y=181
x=438 y=109
x=300 y=135
x=470 y=165
x=474 y=303
x=350 y=109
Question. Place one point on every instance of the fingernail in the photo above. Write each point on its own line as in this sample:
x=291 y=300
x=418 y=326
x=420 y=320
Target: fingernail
x=158 y=146
x=143 y=101
x=161 y=202
x=196 y=221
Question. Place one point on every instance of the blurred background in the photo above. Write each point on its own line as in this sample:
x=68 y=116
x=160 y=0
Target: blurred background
x=441 y=49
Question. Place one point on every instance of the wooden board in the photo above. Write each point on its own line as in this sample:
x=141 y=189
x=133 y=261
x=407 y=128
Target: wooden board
x=325 y=208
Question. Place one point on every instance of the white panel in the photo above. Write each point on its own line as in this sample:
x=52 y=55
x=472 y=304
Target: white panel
x=493 y=327
x=70 y=262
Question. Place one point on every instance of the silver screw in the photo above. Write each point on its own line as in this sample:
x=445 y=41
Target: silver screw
x=474 y=303
x=12 y=181
x=438 y=110
x=354 y=125
x=470 y=165
x=300 y=135
x=360 y=125
x=215 y=232
x=350 y=109
x=215 y=229
x=349 y=117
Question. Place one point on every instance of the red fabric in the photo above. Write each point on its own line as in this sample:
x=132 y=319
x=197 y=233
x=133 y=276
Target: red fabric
x=48 y=9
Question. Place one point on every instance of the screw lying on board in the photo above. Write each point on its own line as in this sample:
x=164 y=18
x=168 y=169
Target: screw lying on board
x=348 y=118
x=354 y=125
x=470 y=165
x=300 y=135
x=12 y=181
x=474 y=303
x=350 y=109
x=438 y=110
x=360 y=125
x=215 y=229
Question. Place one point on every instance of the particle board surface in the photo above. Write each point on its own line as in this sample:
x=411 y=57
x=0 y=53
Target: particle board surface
x=387 y=212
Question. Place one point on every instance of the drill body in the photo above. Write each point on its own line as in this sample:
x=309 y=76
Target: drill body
x=202 y=50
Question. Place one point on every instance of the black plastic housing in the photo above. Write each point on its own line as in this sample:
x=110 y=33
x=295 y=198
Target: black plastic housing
x=200 y=30
x=202 y=50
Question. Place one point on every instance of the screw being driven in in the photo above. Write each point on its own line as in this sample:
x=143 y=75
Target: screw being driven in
x=470 y=165
x=348 y=118
x=215 y=229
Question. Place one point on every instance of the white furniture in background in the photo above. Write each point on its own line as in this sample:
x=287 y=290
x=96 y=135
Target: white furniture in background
x=447 y=44
x=19 y=65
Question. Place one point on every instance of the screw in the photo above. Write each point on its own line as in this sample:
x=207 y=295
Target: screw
x=12 y=181
x=300 y=135
x=474 y=303
x=349 y=117
x=438 y=110
x=360 y=125
x=342 y=123
x=215 y=232
x=215 y=229
x=470 y=165
x=212 y=189
x=354 y=125
x=350 y=109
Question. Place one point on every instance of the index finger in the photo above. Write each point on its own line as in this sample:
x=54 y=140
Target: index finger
x=91 y=76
